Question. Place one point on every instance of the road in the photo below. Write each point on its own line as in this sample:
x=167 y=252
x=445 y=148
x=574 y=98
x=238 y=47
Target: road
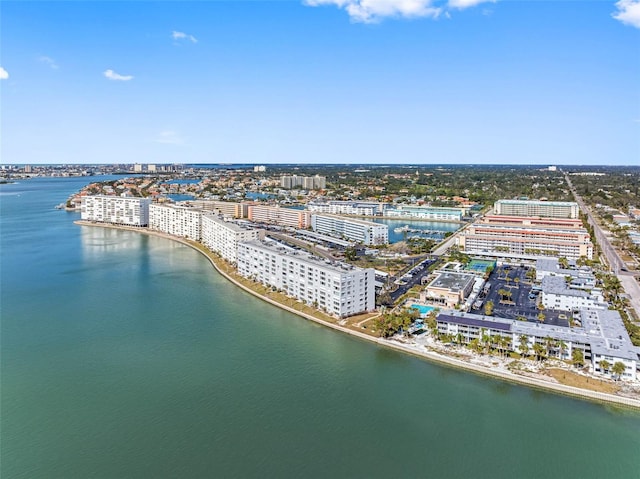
x=616 y=265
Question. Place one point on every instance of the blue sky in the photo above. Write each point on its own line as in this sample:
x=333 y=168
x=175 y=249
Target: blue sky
x=326 y=81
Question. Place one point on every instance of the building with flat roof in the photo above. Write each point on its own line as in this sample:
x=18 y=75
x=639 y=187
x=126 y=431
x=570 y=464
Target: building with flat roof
x=557 y=294
x=601 y=336
x=277 y=215
x=316 y=182
x=552 y=209
x=183 y=221
x=448 y=289
x=338 y=207
x=492 y=237
x=336 y=288
x=119 y=210
x=226 y=208
x=424 y=212
x=365 y=232
x=223 y=237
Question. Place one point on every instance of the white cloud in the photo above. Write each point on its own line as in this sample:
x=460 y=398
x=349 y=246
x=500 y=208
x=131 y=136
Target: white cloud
x=373 y=11
x=4 y=74
x=183 y=36
x=111 y=75
x=462 y=4
x=628 y=12
x=169 y=137
x=48 y=61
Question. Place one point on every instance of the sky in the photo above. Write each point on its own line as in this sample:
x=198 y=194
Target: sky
x=320 y=81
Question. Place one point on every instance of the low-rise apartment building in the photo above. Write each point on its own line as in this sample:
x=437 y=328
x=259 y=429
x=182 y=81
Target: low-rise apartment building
x=223 y=237
x=602 y=336
x=424 y=212
x=557 y=294
x=118 y=210
x=183 y=221
x=365 y=232
x=337 y=288
x=279 y=216
x=226 y=208
x=338 y=207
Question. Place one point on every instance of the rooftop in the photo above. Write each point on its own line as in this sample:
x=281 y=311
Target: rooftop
x=452 y=281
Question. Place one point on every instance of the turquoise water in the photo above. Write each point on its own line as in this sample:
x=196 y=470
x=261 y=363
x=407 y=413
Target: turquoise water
x=424 y=310
x=128 y=356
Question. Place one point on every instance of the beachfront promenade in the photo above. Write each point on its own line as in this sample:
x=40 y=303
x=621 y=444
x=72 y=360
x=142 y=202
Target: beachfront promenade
x=413 y=349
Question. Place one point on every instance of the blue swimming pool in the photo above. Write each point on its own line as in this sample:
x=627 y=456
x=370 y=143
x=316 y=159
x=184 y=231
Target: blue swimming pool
x=424 y=310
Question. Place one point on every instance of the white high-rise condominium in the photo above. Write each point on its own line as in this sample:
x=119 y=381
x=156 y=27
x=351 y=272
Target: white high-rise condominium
x=337 y=288
x=119 y=210
x=223 y=236
x=551 y=209
x=176 y=220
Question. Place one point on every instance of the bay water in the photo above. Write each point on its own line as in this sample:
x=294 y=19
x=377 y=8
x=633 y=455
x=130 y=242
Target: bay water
x=128 y=356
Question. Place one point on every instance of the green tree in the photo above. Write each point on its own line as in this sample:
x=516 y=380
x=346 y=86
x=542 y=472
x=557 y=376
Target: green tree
x=350 y=253
x=524 y=345
x=618 y=369
x=538 y=349
x=562 y=347
x=488 y=308
x=541 y=317
x=604 y=366
x=577 y=357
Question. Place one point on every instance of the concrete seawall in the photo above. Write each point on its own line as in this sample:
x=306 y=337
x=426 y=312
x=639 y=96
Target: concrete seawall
x=436 y=358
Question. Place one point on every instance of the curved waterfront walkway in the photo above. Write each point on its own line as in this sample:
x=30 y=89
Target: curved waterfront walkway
x=431 y=356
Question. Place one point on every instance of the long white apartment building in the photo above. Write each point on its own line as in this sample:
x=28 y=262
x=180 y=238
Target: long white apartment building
x=279 y=216
x=365 y=232
x=552 y=209
x=526 y=241
x=435 y=213
x=223 y=237
x=183 y=221
x=601 y=336
x=118 y=210
x=337 y=288
x=337 y=207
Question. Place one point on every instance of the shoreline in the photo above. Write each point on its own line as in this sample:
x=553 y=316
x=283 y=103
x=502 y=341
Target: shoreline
x=534 y=383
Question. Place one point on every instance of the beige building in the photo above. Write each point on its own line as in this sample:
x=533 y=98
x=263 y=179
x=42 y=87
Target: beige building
x=279 y=216
x=528 y=238
x=448 y=289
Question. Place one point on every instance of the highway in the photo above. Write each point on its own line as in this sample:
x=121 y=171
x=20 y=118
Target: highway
x=616 y=265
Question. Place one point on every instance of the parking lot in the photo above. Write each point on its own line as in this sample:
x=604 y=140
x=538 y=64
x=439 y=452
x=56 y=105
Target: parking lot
x=523 y=303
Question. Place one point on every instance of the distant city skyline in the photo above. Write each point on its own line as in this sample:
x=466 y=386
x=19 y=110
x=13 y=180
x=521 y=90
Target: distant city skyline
x=321 y=82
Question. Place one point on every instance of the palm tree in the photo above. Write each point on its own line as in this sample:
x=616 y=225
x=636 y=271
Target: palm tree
x=488 y=308
x=618 y=369
x=538 y=349
x=506 y=344
x=486 y=341
x=549 y=343
x=562 y=347
x=541 y=317
x=516 y=280
x=604 y=366
x=524 y=345
x=577 y=357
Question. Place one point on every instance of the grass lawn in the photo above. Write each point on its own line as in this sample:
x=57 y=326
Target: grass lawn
x=572 y=379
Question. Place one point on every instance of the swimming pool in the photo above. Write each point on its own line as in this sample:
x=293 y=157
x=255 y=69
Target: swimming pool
x=424 y=310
